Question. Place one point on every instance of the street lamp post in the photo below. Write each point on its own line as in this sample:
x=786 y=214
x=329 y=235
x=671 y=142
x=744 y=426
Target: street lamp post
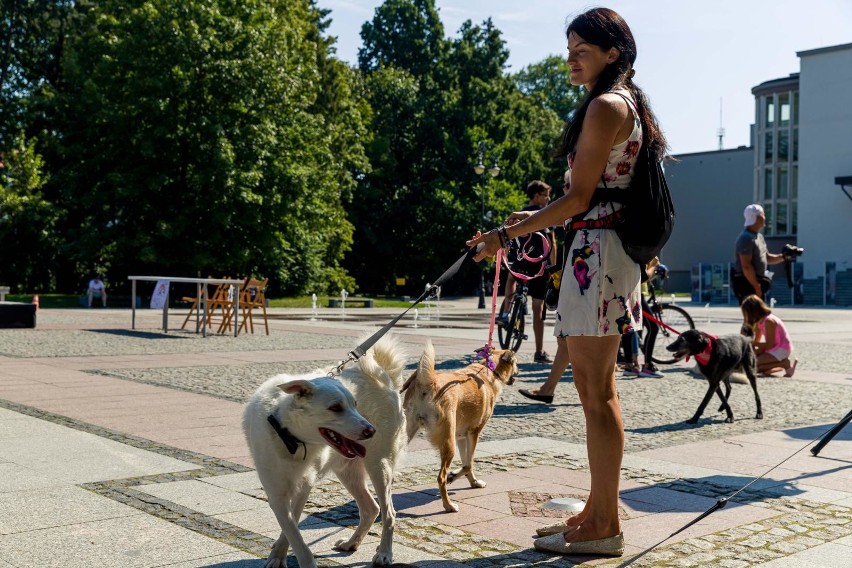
x=493 y=171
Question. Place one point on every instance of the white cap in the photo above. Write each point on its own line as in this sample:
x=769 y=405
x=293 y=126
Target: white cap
x=751 y=213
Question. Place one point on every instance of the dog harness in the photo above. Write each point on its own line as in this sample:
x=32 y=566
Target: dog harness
x=291 y=441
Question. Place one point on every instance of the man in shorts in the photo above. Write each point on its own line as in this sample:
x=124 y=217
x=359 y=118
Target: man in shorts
x=749 y=277
x=538 y=193
x=96 y=290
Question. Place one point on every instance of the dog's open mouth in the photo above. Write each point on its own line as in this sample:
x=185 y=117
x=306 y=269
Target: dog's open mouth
x=348 y=448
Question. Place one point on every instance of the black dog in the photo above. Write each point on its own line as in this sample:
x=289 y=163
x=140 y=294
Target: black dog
x=717 y=358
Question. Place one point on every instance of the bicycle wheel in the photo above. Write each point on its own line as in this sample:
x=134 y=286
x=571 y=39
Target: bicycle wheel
x=512 y=334
x=675 y=317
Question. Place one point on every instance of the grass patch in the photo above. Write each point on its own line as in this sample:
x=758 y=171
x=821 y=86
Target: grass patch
x=322 y=302
x=47 y=300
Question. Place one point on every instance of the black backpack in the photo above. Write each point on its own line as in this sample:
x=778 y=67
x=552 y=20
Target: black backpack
x=648 y=215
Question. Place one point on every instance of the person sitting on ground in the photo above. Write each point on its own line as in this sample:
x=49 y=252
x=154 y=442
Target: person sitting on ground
x=772 y=343
x=96 y=289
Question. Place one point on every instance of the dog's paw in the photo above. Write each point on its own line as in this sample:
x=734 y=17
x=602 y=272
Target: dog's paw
x=347 y=545
x=692 y=421
x=729 y=420
x=451 y=507
x=478 y=483
x=275 y=562
x=759 y=416
x=383 y=559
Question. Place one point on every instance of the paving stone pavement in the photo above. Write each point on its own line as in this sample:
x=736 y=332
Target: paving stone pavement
x=122 y=447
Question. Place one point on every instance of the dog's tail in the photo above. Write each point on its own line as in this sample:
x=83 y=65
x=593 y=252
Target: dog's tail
x=426 y=365
x=385 y=362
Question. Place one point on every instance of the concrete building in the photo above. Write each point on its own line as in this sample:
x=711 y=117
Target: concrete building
x=798 y=166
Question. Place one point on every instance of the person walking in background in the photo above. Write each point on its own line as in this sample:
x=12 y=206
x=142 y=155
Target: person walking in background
x=538 y=194
x=772 y=343
x=752 y=258
x=96 y=289
x=601 y=299
x=652 y=270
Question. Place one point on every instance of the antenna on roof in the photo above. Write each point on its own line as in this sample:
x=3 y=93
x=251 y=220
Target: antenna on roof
x=720 y=132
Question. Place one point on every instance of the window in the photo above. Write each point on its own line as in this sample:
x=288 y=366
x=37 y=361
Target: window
x=784 y=108
x=796 y=107
x=794 y=183
x=782 y=182
x=783 y=145
x=794 y=222
x=767 y=183
x=781 y=219
x=795 y=144
x=767 y=209
x=767 y=148
x=770 y=110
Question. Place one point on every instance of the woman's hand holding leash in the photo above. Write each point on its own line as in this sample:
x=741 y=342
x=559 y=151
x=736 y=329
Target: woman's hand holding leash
x=487 y=244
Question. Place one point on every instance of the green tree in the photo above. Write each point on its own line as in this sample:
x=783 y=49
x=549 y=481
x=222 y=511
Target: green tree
x=26 y=220
x=211 y=136
x=433 y=101
x=549 y=83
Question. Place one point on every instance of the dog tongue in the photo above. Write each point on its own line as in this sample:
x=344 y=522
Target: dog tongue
x=347 y=448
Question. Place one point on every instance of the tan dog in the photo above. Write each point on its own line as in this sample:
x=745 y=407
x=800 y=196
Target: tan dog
x=454 y=407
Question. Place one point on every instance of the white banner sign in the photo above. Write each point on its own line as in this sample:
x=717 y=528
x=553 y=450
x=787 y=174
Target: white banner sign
x=160 y=295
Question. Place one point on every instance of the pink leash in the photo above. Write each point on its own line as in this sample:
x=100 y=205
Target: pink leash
x=486 y=350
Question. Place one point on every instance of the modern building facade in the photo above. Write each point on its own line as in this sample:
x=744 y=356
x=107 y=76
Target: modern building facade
x=799 y=159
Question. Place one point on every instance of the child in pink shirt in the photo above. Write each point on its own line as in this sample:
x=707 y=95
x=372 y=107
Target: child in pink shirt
x=772 y=343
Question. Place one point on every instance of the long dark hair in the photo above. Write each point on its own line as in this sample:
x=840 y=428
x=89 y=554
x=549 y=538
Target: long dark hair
x=606 y=29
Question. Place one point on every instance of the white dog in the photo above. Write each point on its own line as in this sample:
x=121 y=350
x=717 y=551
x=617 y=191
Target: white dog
x=301 y=427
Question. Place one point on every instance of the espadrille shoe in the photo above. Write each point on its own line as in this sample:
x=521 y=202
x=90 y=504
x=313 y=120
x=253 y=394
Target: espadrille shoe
x=611 y=546
x=548 y=530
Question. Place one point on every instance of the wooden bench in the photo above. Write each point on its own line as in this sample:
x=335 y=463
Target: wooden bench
x=3 y=291
x=351 y=303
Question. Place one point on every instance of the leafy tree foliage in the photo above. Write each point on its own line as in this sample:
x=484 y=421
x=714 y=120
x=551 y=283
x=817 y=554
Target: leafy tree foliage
x=26 y=220
x=549 y=82
x=208 y=136
x=434 y=100
x=223 y=137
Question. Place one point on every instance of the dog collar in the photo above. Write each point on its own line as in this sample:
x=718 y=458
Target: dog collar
x=291 y=441
x=704 y=357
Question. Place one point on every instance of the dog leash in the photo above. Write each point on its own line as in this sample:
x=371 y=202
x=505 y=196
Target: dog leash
x=486 y=350
x=720 y=503
x=359 y=351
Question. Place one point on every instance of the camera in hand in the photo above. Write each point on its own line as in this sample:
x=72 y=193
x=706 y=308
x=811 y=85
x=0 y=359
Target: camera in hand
x=792 y=251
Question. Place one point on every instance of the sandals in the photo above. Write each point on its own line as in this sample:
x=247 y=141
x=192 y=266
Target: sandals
x=611 y=546
x=545 y=398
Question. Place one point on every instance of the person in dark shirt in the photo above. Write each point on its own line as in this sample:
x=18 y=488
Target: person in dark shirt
x=749 y=277
x=538 y=193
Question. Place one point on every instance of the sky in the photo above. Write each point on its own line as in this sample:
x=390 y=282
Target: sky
x=697 y=60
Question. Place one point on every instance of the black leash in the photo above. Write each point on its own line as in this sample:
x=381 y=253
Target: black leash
x=718 y=505
x=359 y=351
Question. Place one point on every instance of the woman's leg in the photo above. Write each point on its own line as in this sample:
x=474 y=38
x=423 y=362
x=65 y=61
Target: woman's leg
x=560 y=363
x=766 y=362
x=593 y=363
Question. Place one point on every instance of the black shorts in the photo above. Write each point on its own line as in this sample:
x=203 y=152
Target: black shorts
x=537 y=287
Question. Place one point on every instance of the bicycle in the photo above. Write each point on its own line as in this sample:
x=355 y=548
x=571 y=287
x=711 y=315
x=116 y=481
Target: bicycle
x=671 y=319
x=525 y=259
x=511 y=334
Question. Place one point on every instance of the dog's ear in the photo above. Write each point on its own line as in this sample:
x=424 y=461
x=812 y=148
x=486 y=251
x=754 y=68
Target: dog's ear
x=298 y=388
x=507 y=356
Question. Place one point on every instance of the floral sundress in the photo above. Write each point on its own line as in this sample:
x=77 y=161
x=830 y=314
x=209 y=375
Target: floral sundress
x=600 y=292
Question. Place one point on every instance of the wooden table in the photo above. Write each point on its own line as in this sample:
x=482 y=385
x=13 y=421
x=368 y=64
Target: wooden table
x=201 y=298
